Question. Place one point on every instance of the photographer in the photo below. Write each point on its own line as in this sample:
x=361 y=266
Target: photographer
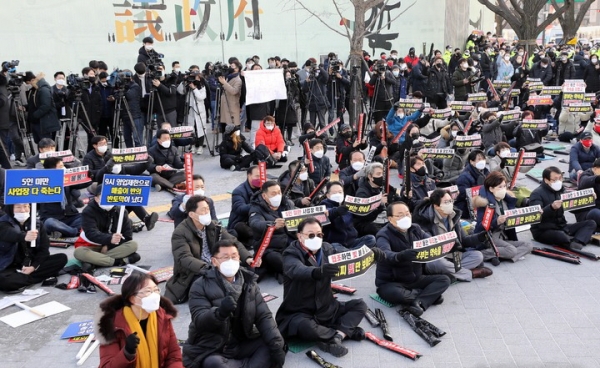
x=287 y=111
x=60 y=95
x=213 y=85
x=144 y=53
x=91 y=100
x=18 y=100
x=315 y=86
x=145 y=82
x=166 y=101
x=197 y=109
x=133 y=130
x=338 y=84
x=4 y=120
x=41 y=112
x=108 y=105
x=230 y=108
x=384 y=82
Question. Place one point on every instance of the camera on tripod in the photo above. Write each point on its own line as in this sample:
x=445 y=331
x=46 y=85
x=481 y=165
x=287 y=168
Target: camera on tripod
x=119 y=79
x=8 y=65
x=220 y=69
x=154 y=65
x=77 y=83
x=335 y=65
x=190 y=76
x=381 y=68
x=15 y=82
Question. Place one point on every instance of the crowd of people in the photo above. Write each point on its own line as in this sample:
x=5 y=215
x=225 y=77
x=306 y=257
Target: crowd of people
x=215 y=270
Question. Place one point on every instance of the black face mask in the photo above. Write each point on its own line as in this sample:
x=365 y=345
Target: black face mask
x=421 y=171
x=347 y=134
x=415 y=136
x=378 y=181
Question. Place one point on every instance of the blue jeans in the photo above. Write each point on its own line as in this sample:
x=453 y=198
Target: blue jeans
x=69 y=227
x=138 y=136
x=368 y=240
x=213 y=110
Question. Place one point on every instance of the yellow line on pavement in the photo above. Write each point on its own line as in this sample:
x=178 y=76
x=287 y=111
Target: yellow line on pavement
x=167 y=207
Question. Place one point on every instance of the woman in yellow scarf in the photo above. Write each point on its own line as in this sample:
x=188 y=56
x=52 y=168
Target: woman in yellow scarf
x=128 y=325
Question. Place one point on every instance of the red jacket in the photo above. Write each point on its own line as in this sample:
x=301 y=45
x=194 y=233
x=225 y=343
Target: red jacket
x=272 y=139
x=112 y=329
x=411 y=61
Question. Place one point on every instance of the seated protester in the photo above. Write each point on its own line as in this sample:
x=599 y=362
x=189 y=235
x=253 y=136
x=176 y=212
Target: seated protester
x=100 y=162
x=590 y=178
x=370 y=186
x=230 y=150
x=350 y=176
x=61 y=217
x=191 y=243
x=177 y=142
x=241 y=203
x=320 y=161
x=524 y=137
x=166 y=169
x=398 y=279
x=582 y=155
x=454 y=166
x=47 y=145
x=421 y=183
x=99 y=244
x=135 y=327
x=345 y=144
x=554 y=229
x=231 y=324
x=267 y=206
x=436 y=215
x=22 y=265
x=269 y=141
x=501 y=150
x=301 y=189
x=491 y=133
x=397 y=118
x=411 y=144
x=449 y=133
x=341 y=233
x=494 y=192
x=309 y=311
x=473 y=175
x=308 y=133
x=177 y=211
x=382 y=148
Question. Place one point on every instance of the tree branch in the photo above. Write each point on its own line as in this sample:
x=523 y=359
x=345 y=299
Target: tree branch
x=376 y=14
x=516 y=6
x=320 y=20
x=552 y=17
x=391 y=21
x=582 y=11
x=343 y=21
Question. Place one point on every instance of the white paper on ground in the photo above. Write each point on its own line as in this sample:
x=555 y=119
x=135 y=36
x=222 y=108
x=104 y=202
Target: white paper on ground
x=23 y=317
x=26 y=296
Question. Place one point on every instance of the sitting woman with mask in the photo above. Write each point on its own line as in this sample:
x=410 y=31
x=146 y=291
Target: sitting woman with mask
x=134 y=328
x=301 y=188
x=473 y=175
x=230 y=150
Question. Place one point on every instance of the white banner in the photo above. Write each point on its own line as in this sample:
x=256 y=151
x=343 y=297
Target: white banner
x=264 y=86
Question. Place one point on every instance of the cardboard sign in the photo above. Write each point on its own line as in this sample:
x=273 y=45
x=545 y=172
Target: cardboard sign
x=66 y=156
x=441 y=114
x=535 y=124
x=512 y=115
x=551 y=90
x=125 y=190
x=435 y=247
x=33 y=186
x=452 y=190
x=77 y=329
x=461 y=106
x=412 y=104
x=353 y=263
x=430 y=143
x=130 y=155
x=580 y=107
x=541 y=100
x=589 y=97
x=468 y=141
x=437 y=153
x=529 y=159
x=579 y=199
x=523 y=216
x=181 y=132
x=77 y=175
x=501 y=84
x=294 y=217
x=477 y=97
x=574 y=85
x=362 y=206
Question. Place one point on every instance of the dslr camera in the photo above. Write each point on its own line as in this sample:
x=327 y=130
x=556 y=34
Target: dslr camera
x=335 y=65
x=381 y=68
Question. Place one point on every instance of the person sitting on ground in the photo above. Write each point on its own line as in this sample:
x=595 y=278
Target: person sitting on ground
x=350 y=176
x=590 y=178
x=491 y=133
x=191 y=243
x=473 y=175
x=454 y=166
x=582 y=155
x=436 y=215
x=502 y=151
x=99 y=244
x=231 y=324
x=241 y=203
x=421 y=183
x=554 y=229
x=301 y=189
x=230 y=150
x=309 y=311
x=269 y=141
x=134 y=328
x=398 y=279
x=177 y=142
x=166 y=166
x=346 y=143
x=177 y=211
x=48 y=145
x=383 y=147
x=22 y=264
x=320 y=161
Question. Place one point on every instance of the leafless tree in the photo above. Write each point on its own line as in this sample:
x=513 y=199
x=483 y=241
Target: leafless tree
x=571 y=20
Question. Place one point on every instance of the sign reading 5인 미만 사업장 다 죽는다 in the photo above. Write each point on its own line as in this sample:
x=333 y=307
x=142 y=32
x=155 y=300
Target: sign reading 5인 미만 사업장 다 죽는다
x=33 y=186
x=125 y=190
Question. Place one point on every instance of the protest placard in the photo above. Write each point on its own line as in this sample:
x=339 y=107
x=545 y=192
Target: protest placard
x=78 y=329
x=181 y=132
x=462 y=106
x=536 y=86
x=435 y=247
x=535 y=124
x=125 y=190
x=442 y=114
x=573 y=85
x=500 y=84
x=352 y=263
x=569 y=98
x=430 y=143
x=294 y=217
x=580 y=107
x=411 y=104
x=129 y=155
x=512 y=115
x=589 y=97
x=77 y=175
x=468 y=141
x=362 y=206
x=578 y=199
x=541 y=100
x=551 y=90
x=66 y=156
x=523 y=216
x=529 y=159
x=437 y=153
x=264 y=86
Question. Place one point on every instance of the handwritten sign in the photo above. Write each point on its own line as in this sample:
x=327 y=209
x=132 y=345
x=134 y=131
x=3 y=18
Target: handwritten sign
x=535 y=124
x=468 y=141
x=125 y=190
x=579 y=199
x=441 y=114
x=435 y=247
x=77 y=175
x=353 y=263
x=523 y=216
x=130 y=155
x=33 y=186
x=435 y=153
x=362 y=206
x=66 y=156
x=180 y=132
x=294 y=217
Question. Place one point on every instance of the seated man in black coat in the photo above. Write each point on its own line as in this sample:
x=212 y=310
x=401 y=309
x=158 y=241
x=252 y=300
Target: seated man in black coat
x=398 y=279
x=241 y=204
x=421 y=183
x=166 y=169
x=177 y=211
x=351 y=175
x=301 y=189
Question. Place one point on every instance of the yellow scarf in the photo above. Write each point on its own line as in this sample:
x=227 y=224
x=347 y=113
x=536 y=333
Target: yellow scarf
x=147 y=350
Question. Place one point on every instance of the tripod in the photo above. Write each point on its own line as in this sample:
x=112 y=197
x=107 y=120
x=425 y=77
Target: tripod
x=375 y=96
x=190 y=97
x=74 y=124
x=29 y=146
x=118 y=132
x=151 y=117
x=217 y=120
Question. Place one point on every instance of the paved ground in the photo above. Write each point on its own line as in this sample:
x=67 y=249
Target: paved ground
x=535 y=313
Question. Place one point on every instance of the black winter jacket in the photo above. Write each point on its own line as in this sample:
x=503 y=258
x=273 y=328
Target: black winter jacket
x=241 y=203
x=469 y=178
x=545 y=74
x=163 y=156
x=551 y=219
x=591 y=75
x=44 y=111
x=15 y=251
x=98 y=225
x=262 y=216
x=298 y=191
x=341 y=230
x=589 y=180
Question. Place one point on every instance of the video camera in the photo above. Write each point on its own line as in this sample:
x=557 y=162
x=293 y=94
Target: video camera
x=191 y=75
x=8 y=65
x=153 y=65
x=15 y=82
x=220 y=69
x=77 y=83
x=380 y=68
x=335 y=65
x=119 y=79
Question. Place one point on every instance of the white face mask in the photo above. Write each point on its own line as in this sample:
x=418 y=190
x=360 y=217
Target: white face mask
x=270 y=127
x=337 y=197
x=556 y=185
x=454 y=133
x=104 y=84
x=318 y=154
x=500 y=193
x=504 y=153
x=176 y=70
x=249 y=66
x=313 y=244
x=21 y=216
x=507 y=57
x=403 y=67
x=404 y=223
x=237 y=132
x=151 y=303
x=199 y=192
x=400 y=115
x=229 y=268
x=480 y=165
x=396 y=73
x=358 y=165
x=594 y=61
x=106 y=207
x=149 y=47
x=204 y=219
x=61 y=82
x=303 y=176
x=166 y=144
x=447 y=208
x=521 y=53
x=102 y=149
x=275 y=201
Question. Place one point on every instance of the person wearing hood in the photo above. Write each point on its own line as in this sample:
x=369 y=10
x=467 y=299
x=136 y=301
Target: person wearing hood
x=449 y=133
x=177 y=211
x=436 y=215
x=309 y=311
x=350 y=176
x=494 y=192
x=473 y=175
x=346 y=143
x=398 y=279
x=411 y=59
x=21 y=264
x=421 y=183
x=134 y=328
x=301 y=189
x=191 y=244
x=266 y=209
x=554 y=229
x=582 y=155
x=41 y=112
x=230 y=150
x=231 y=324
x=166 y=166
x=145 y=51
x=269 y=140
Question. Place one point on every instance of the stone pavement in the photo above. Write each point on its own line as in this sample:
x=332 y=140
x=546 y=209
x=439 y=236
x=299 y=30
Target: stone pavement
x=535 y=313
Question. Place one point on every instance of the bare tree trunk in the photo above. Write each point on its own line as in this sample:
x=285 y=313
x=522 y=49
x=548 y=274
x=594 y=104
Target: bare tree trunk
x=499 y=25
x=571 y=20
x=355 y=107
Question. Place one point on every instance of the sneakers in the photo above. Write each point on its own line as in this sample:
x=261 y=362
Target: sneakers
x=199 y=150
x=150 y=220
x=334 y=346
x=157 y=187
x=232 y=168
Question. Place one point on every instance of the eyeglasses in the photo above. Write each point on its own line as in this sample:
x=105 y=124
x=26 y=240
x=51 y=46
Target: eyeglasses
x=312 y=236
x=148 y=291
x=225 y=259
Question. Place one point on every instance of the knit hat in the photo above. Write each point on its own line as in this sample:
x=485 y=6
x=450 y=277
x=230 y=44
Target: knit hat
x=229 y=128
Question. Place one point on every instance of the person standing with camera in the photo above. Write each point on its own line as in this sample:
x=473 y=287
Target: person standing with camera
x=230 y=98
x=133 y=130
x=165 y=106
x=337 y=86
x=92 y=101
x=41 y=112
x=384 y=82
x=315 y=86
x=197 y=111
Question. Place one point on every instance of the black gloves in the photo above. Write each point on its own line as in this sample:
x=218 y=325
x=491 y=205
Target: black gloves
x=378 y=253
x=342 y=210
x=277 y=358
x=131 y=343
x=407 y=255
x=228 y=306
x=326 y=270
x=481 y=237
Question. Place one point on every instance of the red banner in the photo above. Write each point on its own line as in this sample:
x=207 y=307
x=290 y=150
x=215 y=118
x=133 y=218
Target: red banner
x=384 y=132
x=402 y=131
x=319 y=187
x=311 y=165
x=98 y=283
x=188 y=166
x=263 y=245
x=393 y=346
x=77 y=175
x=488 y=215
x=327 y=127
x=262 y=172
x=359 y=128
